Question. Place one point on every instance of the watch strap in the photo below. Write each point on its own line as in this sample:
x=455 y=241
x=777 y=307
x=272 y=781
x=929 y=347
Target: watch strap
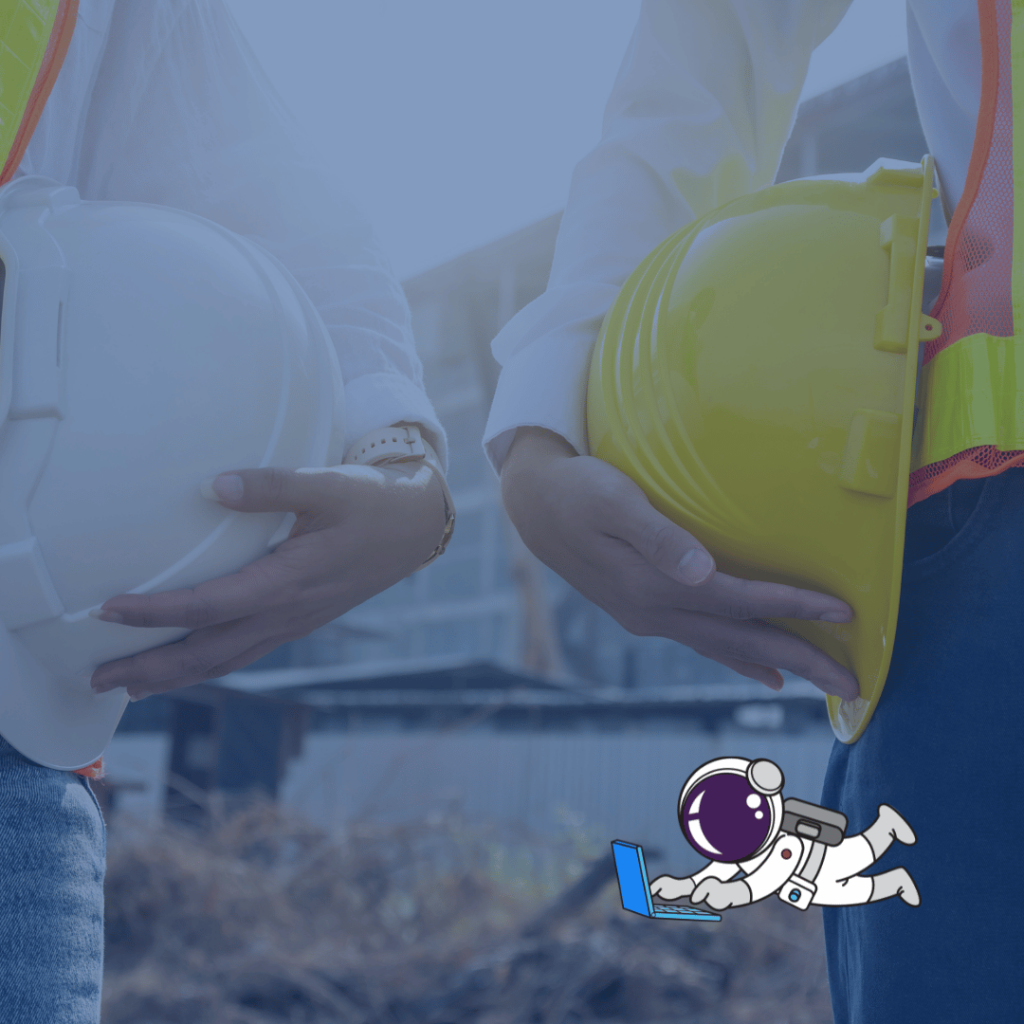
x=399 y=443
x=389 y=444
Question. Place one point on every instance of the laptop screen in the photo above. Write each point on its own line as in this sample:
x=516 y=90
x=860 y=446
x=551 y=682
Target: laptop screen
x=633 y=882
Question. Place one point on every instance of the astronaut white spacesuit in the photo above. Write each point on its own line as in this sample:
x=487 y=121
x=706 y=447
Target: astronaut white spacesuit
x=731 y=810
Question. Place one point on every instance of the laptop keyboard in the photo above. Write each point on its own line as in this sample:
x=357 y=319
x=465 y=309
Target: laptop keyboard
x=668 y=908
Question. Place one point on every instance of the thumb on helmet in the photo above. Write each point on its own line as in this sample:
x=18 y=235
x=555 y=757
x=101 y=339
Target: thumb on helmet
x=226 y=487
x=270 y=490
x=669 y=547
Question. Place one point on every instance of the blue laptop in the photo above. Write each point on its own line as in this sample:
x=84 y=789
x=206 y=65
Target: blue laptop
x=635 y=888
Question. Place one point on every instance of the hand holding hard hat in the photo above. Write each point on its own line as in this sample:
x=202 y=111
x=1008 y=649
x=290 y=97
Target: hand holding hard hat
x=358 y=531
x=752 y=379
x=145 y=349
x=756 y=376
x=595 y=527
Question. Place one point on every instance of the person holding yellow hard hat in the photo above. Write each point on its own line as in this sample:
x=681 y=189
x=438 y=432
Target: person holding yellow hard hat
x=730 y=422
x=212 y=422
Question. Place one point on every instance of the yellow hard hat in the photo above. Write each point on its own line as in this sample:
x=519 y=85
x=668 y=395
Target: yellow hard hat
x=752 y=377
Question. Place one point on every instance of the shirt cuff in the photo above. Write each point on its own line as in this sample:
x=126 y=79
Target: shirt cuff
x=543 y=382
x=376 y=400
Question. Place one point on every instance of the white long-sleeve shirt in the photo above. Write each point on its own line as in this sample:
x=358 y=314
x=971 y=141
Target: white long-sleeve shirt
x=163 y=101
x=701 y=109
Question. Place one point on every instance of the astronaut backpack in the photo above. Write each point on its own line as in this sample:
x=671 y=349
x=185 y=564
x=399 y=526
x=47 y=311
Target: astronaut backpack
x=811 y=821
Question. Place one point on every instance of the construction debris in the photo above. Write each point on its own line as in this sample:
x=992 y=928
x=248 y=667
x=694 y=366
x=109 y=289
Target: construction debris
x=264 y=919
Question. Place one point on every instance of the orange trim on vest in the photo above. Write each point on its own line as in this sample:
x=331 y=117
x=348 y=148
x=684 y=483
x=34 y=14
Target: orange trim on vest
x=53 y=59
x=980 y=150
x=971 y=302
x=92 y=771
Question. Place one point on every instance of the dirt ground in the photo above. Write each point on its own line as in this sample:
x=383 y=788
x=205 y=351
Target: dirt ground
x=263 y=918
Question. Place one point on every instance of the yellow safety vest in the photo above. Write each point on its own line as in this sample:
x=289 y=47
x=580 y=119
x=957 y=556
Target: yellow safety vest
x=34 y=37
x=971 y=398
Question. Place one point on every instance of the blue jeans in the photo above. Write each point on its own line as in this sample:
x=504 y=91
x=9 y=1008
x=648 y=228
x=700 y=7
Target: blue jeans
x=945 y=749
x=52 y=854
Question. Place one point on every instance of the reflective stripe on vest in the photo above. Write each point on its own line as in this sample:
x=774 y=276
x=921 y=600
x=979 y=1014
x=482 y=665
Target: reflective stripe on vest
x=34 y=37
x=971 y=397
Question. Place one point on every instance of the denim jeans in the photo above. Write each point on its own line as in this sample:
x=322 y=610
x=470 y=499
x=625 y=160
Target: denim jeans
x=945 y=749
x=52 y=854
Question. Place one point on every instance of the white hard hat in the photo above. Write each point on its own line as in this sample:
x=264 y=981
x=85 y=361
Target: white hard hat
x=142 y=349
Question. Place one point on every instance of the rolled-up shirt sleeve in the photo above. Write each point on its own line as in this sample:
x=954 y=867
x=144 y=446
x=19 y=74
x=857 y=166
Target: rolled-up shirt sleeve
x=700 y=111
x=182 y=115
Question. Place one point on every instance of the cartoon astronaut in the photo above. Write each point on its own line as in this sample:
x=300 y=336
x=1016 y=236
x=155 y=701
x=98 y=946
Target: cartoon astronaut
x=732 y=810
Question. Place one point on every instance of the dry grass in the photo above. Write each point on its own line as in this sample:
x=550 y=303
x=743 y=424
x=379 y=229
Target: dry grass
x=266 y=919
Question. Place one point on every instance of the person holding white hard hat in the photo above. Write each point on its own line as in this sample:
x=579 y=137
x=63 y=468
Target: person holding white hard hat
x=698 y=117
x=212 y=422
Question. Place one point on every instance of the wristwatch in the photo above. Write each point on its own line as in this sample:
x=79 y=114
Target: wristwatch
x=403 y=442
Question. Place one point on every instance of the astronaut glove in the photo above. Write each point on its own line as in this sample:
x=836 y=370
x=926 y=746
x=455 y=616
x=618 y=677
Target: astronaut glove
x=669 y=888
x=721 y=895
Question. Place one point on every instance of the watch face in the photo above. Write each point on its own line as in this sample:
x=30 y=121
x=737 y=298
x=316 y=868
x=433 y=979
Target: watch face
x=725 y=818
x=397 y=443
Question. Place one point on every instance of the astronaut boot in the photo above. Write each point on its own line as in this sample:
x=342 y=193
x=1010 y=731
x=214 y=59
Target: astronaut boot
x=896 y=882
x=889 y=825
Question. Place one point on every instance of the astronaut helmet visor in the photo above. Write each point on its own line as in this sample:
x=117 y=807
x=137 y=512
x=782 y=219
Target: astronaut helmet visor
x=725 y=818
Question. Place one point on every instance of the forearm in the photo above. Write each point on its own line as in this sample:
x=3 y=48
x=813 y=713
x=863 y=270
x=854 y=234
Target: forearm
x=532 y=446
x=533 y=454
